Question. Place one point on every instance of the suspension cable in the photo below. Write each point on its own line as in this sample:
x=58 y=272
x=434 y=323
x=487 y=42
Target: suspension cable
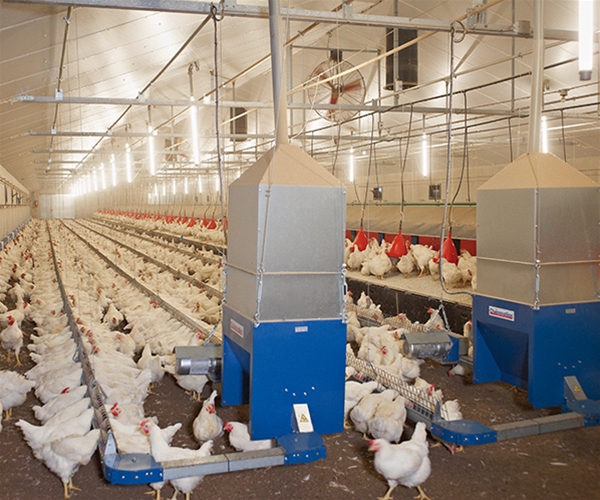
x=216 y=18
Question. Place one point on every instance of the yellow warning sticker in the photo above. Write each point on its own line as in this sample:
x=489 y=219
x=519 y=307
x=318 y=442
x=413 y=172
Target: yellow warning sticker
x=303 y=418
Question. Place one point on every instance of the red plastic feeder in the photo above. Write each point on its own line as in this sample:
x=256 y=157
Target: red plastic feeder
x=361 y=240
x=192 y=222
x=449 y=250
x=212 y=224
x=398 y=248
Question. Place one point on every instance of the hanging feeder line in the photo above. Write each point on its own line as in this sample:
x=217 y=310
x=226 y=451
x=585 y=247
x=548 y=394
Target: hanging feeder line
x=562 y=126
x=361 y=239
x=404 y=159
x=398 y=248
x=510 y=141
x=216 y=18
x=465 y=162
x=449 y=245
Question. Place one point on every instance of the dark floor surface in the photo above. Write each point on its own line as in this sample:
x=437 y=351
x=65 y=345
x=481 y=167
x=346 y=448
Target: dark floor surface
x=561 y=465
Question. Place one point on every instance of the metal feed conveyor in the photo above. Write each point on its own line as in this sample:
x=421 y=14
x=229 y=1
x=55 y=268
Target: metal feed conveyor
x=578 y=410
x=186 y=277
x=168 y=236
x=176 y=313
x=136 y=468
x=156 y=241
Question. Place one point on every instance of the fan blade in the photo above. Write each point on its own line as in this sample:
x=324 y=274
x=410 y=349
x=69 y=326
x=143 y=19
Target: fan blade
x=322 y=76
x=356 y=84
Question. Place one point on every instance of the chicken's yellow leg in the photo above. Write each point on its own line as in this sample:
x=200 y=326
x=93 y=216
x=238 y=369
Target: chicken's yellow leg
x=66 y=490
x=155 y=493
x=72 y=486
x=422 y=495
x=387 y=494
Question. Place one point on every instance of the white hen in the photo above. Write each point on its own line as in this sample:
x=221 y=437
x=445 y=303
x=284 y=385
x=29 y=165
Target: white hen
x=388 y=421
x=58 y=403
x=354 y=392
x=11 y=339
x=239 y=437
x=64 y=456
x=364 y=411
x=161 y=452
x=13 y=390
x=406 y=463
x=208 y=425
x=148 y=360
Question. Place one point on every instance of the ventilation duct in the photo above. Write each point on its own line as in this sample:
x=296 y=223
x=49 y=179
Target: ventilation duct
x=407 y=75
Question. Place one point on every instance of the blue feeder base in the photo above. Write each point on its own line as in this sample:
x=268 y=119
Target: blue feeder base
x=536 y=349
x=302 y=448
x=275 y=365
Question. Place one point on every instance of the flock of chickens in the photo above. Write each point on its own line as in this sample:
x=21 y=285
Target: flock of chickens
x=421 y=259
x=129 y=342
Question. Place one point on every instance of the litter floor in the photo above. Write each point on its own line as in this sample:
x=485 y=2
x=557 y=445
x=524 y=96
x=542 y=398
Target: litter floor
x=561 y=465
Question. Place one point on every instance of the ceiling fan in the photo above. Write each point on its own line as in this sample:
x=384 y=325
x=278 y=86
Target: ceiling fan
x=347 y=88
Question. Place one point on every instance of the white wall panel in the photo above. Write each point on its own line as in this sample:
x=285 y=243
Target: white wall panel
x=12 y=217
x=57 y=206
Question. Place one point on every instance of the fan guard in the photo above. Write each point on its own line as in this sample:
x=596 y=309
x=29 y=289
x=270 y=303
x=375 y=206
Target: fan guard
x=345 y=89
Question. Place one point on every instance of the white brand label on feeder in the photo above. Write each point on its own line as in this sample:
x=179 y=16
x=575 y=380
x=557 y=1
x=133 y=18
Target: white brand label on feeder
x=303 y=418
x=571 y=310
x=301 y=329
x=235 y=327
x=498 y=312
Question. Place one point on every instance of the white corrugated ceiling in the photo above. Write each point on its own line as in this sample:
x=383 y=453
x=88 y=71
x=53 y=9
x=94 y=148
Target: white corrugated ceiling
x=115 y=53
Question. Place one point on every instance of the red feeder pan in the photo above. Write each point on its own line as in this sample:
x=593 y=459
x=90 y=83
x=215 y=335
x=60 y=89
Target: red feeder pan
x=361 y=240
x=212 y=224
x=192 y=222
x=398 y=248
x=449 y=250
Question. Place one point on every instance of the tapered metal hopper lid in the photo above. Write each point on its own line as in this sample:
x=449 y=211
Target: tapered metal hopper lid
x=285 y=164
x=543 y=170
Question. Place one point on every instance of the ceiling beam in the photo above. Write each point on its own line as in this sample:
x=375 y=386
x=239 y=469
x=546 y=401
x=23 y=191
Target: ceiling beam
x=108 y=101
x=344 y=16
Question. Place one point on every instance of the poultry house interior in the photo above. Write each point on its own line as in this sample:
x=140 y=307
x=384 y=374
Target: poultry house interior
x=210 y=211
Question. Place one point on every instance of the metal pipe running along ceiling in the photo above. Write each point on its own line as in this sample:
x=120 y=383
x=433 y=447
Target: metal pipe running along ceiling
x=341 y=17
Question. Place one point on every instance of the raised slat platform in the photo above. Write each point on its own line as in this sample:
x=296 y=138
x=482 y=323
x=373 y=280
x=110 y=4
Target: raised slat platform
x=412 y=296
